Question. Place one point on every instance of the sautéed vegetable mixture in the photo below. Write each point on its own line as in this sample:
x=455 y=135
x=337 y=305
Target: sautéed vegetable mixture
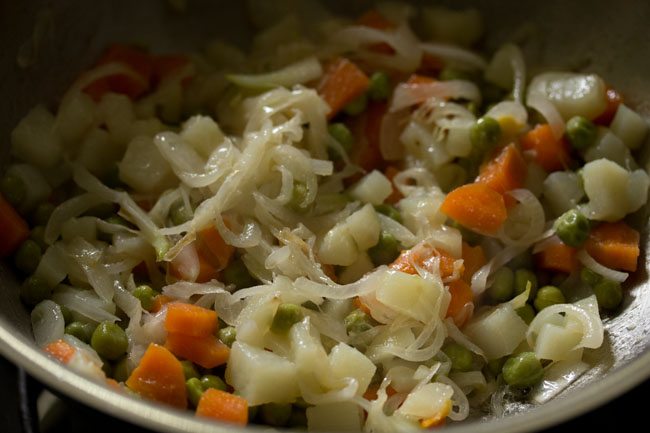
x=359 y=223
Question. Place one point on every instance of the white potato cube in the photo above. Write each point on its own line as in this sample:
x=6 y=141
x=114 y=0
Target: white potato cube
x=629 y=126
x=410 y=295
x=335 y=417
x=118 y=114
x=562 y=191
x=338 y=247
x=356 y=270
x=76 y=115
x=427 y=401
x=373 y=188
x=261 y=376
x=34 y=140
x=572 y=94
x=346 y=361
x=97 y=154
x=203 y=134
x=497 y=332
x=38 y=189
x=364 y=227
x=611 y=147
x=556 y=343
x=144 y=169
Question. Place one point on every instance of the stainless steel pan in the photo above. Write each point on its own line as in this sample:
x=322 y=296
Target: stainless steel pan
x=53 y=41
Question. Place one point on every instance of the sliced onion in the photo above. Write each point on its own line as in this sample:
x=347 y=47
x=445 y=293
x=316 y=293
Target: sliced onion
x=455 y=54
x=550 y=113
x=52 y=268
x=407 y=95
x=47 y=322
x=557 y=377
x=71 y=208
x=457 y=335
x=533 y=213
x=86 y=303
x=401 y=233
x=606 y=272
x=460 y=408
x=301 y=72
x=392 y=125
x=480 y=277
x=185 y=290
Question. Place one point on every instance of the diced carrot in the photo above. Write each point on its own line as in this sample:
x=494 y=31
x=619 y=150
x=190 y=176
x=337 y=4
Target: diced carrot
x=342 y=82
x=159 y=377
x=477 y=207
x=430 y=65
x=374 y=19
x=461 y=295
x=394 y=196
x=137 y=60
x=358 y=303
x=373 y=389
x=557 y=257
x=419 y=79
x=208 y=352
x=182 y=266
x=212 y=246
x=159 y=301
x=615 y=245
x=13 y=229
x=505 y=172
x=330 y=271
x=366 y=129
x=473 y=259
x=190 y=320
x=439 y=419
x=428 y=258
x=549 y=152
x=113 y=384
x=614 y=99
x=223 y=406
x=61 y=350
x=168 y=64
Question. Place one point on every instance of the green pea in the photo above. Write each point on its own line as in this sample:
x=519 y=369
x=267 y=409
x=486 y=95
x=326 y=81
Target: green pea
x=121 y=370
x=523 y=260
x=449 y=73
x=608 y=293
x=385 y=251
x=502 y=286
x=210 y=381
x=298 y=417
x=379 y=86
x=228 y=335
x=298 y=197
x=527 y=313
x=38 y=235
x=357 y=106
x=28 y=256
x=547 y=296
x=390 y=211
x=67 y=314
x=285 y=317
x=357 y=322
x=472 y=107
x=495 y=366
x=461 y=358
x=83 y=331
x=13 y=189
x=589 y=277
x=107 y=368
x=581 y=132
x=522 y=370
x=42 y=213
x=194 y=390
x=572 y=227
x=109 y=341
x=179 y=213
x=189 y=370
x=236 y=273
x=522 y=278
x=146 y=295
x=342 y=135
x=485 y=133
x=34 y=290
x=275 y=414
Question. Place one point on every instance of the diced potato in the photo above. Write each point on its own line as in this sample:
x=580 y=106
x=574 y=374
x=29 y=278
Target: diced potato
x=562 y=191
x=456 y=132
x=364 y=226
x=402 y=337
x=499 y=71
x=572 y=94
x=356 y=270
x=535 y=177
x=75 y=117
x=146 y=128
x=97 y=153
x=497 y=332
x=346 y=361
x=373 y=188
x=335 y=417
x=427 y=401
x=410 y=295
x=629 y=126
x=38 y=188
x=118 y=114
x=338 y=247
x=203 y=134
x=637 y=190
x=144 y=169
x=461 y=27
x=34 y=140
x=610 y=146
x=555 y=342
x=261 y=376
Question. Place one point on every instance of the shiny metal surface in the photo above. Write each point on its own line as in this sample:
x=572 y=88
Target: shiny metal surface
x=597 y=36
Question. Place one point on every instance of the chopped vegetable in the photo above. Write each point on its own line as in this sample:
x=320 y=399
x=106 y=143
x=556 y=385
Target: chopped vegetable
x=550 y=153
x=379 y=86
x=159 y=376
x=614 y=245
x=190 y=320
x=223 y=406
x=523 y=370
x=477 y=207
x=342 y=83
x=285 y=317
x=386 y=250
x=485 y=133
x=461 y=357
x=189 y=371
x=461 y=296
x=547 y=296
x=34 y=290
x=608 y=293
x=502 y=287
x=613 y=101
x=524 y=277
x=356 y=106
x=83 y=331
x=572 y=227
x=206 y=351
x=61 y=350
x=13 y=229
x=357 y=322
x=236 y=273
x=145 y=295
x=28 y=256
x=109 y=340
x=505 y=172
x=13 y=189
x=557 y=257
x=228 y=335
x=275 y=414
x=581 y=132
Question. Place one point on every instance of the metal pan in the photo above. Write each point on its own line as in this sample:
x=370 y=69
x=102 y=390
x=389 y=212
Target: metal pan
x=55 y=40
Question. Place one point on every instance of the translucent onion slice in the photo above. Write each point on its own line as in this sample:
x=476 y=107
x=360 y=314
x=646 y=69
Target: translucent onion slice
x=455 y=54
x=606 y=272
x=550 y=113
x=301 y=72
x=407 y=95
